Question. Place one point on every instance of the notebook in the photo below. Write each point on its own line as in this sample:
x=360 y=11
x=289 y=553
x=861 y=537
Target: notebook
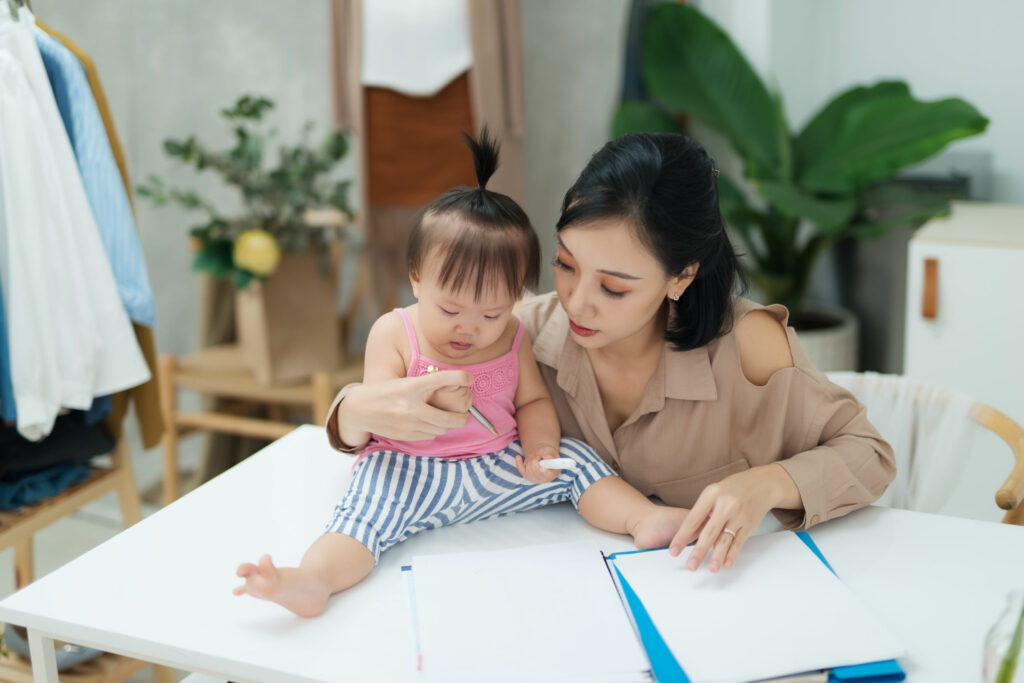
x=568 y=612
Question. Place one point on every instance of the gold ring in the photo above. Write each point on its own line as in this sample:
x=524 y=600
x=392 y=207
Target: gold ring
x=729 y=531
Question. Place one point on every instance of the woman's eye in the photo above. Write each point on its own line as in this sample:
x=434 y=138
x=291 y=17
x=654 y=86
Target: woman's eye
x=447 y=312
x=559 y=263
x=613 y=293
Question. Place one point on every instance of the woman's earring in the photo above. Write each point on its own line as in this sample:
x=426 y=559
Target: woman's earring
x=675 y=298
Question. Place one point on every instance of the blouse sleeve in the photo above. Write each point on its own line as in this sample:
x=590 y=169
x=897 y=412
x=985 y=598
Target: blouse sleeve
x=333 y=438
x=847 y=464
x=815 y=430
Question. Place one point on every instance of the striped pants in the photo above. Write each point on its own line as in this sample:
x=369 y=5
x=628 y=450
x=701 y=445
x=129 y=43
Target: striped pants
x=395 y=495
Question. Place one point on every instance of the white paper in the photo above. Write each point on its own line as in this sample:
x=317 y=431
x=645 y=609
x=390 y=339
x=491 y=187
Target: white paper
x=540 y=613
x=778 y=611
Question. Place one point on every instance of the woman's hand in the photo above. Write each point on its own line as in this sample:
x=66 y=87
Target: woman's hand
x=728 y=512
x=454 y=399
x=530 y=467
x=400 y=408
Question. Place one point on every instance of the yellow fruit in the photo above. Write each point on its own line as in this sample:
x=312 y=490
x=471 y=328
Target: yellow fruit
x=257 y=252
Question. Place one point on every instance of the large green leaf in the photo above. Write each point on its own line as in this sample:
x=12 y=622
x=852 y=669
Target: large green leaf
x=691 y=66
x=828 y=214
x=823 y=128
x=880 y=136
x=890 y=206
x=738 y=214
x=642 y=117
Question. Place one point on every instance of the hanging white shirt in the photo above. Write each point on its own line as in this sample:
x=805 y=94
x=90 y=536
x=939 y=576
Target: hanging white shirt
x=69 y=336
x=415 y=47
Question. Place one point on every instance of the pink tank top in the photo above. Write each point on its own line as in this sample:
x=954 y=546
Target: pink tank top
x=494 y=390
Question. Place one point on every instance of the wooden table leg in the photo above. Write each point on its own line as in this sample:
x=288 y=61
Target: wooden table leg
x=166 y=368
x=24 y=562
x=127 y=489
x=44 y=659
x=164 y=674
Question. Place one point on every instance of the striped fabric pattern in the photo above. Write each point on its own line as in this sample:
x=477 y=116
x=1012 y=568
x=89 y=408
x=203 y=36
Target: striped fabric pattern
x=100 y=175
x=395 y=495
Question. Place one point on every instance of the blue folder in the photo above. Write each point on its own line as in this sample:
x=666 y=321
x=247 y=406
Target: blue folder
x=667 y=670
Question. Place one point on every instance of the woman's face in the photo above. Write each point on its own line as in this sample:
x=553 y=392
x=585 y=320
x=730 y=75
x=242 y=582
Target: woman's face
x=610 y=284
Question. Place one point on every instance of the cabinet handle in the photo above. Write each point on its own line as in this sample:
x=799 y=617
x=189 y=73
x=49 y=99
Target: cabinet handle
x=930 y=297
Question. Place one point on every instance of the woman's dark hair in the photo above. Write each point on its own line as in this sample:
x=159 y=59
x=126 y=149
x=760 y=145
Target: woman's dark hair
x=666 y=186
x=485 y=237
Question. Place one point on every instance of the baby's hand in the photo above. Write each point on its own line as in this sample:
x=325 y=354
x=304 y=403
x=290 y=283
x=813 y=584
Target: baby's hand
x=453 y=399
x=530 y=466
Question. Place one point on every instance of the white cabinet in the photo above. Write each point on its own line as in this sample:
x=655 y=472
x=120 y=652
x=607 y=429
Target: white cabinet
x=971 y=338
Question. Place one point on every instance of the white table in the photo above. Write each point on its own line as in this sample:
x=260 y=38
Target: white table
x=161 y=590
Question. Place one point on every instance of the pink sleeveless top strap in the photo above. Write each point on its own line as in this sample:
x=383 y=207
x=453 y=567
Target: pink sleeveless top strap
x=494 y=390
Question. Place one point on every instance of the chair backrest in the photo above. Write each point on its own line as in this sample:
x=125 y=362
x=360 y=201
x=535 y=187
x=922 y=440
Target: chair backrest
x=950 y=449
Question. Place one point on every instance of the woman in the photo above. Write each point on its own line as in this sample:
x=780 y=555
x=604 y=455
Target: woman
x=703 y=399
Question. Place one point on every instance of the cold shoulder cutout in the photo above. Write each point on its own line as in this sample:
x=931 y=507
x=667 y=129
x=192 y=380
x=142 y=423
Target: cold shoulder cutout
x=763 y=346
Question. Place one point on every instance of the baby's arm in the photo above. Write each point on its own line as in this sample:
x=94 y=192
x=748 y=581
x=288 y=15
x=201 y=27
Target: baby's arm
x=383 y=359
x=536 y=419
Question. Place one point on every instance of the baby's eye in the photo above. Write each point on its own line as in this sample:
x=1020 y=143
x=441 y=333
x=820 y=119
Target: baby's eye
x=491 y=317
x=446 y=311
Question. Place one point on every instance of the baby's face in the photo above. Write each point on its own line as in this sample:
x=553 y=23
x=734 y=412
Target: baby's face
x=458 y=325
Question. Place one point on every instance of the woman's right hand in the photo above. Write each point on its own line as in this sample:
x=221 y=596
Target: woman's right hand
x=400 y=408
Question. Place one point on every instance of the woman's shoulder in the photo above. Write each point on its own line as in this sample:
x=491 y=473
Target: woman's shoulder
x=538 y=310
x=761 y=339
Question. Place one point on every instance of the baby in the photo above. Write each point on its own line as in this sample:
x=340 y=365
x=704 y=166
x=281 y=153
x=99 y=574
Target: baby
x=471 y=255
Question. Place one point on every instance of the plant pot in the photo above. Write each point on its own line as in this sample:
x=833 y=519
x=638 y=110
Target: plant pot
x=287 y=325
x=829 y=337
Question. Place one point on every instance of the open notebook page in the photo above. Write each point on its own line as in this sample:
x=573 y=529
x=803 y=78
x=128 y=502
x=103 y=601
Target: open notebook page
x=540 y=613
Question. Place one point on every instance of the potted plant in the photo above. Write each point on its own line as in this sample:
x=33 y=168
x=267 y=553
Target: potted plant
x=810 y=188
x=281 y=251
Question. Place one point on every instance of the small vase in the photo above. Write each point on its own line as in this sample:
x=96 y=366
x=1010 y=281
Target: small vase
x=1002 y=662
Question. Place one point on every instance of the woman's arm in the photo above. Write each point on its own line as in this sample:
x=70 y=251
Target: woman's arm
x=739 y=502
x=390 y=404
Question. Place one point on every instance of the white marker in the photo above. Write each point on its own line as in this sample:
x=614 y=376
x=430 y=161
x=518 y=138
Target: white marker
x=558 y=463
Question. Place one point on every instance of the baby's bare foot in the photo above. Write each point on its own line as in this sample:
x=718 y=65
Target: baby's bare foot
x=656 y=527
x=289 y=587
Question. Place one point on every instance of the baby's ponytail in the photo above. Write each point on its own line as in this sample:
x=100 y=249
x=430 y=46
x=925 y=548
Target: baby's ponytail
x=485 y=156
x=482 y=237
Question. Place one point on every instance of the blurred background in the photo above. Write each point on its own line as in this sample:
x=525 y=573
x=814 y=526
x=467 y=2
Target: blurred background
x=169 y=69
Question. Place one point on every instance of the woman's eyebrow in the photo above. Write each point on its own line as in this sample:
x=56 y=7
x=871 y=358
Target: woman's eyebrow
x=613 y=273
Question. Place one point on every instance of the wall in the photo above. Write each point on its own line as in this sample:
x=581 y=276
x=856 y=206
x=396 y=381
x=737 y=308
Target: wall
x=572 y=61
x=168 y=68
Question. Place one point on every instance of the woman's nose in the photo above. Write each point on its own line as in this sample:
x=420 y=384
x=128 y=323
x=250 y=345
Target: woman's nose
x=577 y=303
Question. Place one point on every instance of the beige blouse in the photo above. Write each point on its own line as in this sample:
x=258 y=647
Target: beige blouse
x=700 y=420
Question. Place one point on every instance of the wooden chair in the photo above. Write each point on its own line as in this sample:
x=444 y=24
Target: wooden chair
x=18 y=528
x=218 y=371
x=885 y=393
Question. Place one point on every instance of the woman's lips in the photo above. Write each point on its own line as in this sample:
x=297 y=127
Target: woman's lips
x=581 y=331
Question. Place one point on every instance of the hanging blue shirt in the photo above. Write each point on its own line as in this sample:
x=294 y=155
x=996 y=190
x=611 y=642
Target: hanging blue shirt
x=103 y=184
x=7 y=408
